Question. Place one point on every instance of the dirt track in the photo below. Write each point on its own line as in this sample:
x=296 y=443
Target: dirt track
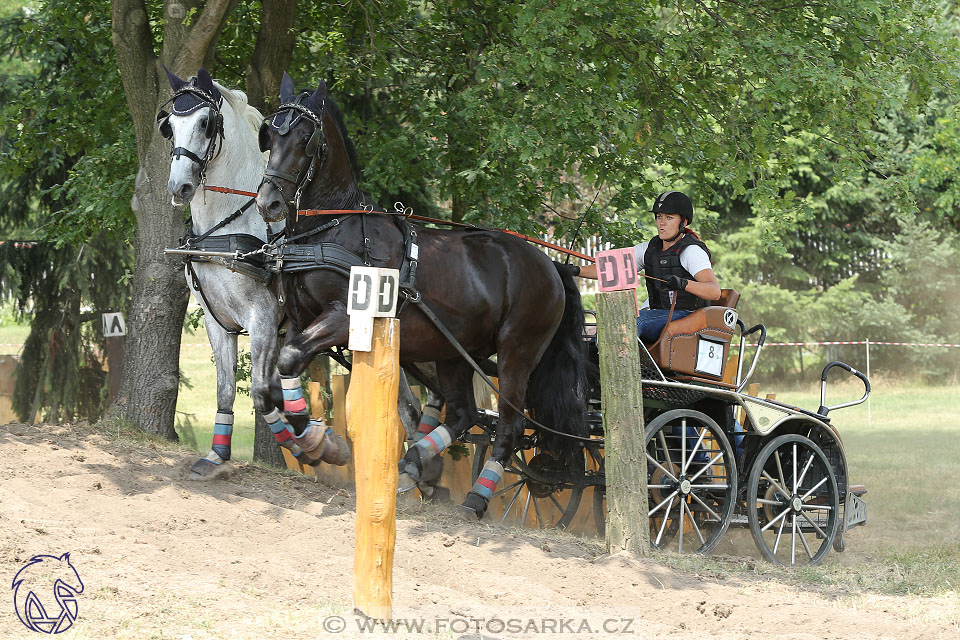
x=269 y=555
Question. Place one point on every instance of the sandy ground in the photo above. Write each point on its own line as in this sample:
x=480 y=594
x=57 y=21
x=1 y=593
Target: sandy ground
x=270 y=555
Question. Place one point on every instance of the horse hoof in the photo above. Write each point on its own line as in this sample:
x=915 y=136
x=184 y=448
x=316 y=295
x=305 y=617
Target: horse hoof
x=203 y=469
x=439 y=495
x=336 y=450
x=468 y=513
x=475 y=503
x=406 y=483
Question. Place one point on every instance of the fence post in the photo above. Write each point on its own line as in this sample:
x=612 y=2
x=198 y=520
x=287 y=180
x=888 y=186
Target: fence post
x=625 y=461
x=373 y=424
x=868 y=377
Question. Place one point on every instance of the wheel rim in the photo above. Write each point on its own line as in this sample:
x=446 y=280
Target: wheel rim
x=691 y=482
x=793 y=501
x=525 y=501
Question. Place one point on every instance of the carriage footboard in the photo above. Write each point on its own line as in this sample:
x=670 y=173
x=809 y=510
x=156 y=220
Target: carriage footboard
x=855 y=510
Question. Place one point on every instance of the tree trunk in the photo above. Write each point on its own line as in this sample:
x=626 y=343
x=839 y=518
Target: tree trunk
x=151 y=379
x=148 y=391
x=272 y=54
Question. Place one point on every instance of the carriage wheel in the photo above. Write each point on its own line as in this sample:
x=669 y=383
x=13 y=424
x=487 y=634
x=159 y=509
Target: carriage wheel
x=550 y=504
x=691 y=481
x=793 y=504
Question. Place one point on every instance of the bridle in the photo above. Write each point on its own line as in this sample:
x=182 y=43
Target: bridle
x=213 y=130
x=315 y=148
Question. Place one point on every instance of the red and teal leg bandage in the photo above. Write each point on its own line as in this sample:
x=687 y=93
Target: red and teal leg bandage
x=434 y=443
x=429 y=420
x=281 y=431
x=293 y=400
x=488 y=479
x=222 y=433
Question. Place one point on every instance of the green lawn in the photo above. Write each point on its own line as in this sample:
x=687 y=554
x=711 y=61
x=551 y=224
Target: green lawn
x=197 y=401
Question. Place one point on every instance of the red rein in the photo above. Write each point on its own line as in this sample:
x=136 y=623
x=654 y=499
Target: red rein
x=333 y=212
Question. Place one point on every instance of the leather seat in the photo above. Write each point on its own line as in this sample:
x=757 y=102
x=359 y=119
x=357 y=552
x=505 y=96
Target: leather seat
x=701 y=338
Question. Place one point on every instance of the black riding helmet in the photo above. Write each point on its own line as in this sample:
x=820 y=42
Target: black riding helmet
x=674 y=202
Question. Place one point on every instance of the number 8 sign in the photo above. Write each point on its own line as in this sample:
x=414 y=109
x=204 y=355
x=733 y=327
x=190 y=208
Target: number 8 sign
x=617 y=269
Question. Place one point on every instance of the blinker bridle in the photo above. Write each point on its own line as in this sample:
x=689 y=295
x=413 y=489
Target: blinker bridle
x=214 y=128
x=315 y=148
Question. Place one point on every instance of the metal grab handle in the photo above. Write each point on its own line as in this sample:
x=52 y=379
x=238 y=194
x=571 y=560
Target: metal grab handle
x=756 y=356
x=824 y=409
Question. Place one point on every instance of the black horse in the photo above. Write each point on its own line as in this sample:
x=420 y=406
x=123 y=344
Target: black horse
x=492 y=291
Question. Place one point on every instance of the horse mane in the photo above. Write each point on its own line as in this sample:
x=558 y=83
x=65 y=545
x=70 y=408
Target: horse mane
x=238 y=101
x=351 y=149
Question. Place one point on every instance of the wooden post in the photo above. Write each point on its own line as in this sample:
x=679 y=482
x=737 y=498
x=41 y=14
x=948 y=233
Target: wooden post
x=372 y=423
x=625 y=459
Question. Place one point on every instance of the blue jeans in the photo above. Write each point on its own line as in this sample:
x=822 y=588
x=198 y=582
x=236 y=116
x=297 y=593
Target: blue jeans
x=650 y=322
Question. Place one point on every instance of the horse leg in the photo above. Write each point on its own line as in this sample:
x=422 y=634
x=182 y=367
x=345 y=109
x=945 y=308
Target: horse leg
x=265 y=385
x=317 y=442
x=422 y=463
x=224 y=346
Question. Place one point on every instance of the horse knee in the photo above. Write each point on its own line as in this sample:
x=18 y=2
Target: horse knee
x=264 y=398
x=288 y=362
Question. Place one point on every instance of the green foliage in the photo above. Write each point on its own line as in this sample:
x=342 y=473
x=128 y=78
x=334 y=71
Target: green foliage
x=802 y=131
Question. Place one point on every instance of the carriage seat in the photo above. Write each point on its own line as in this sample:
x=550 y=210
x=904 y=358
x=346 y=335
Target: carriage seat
x=697 y=345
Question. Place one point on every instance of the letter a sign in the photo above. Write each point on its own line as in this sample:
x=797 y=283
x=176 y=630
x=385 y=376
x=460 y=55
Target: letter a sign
x=113 y=325
x=372 y=294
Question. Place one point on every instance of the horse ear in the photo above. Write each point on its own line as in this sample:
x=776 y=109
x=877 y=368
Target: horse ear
x=175 y=82
x=205 y=82
x=287 y=89
x=321 y=91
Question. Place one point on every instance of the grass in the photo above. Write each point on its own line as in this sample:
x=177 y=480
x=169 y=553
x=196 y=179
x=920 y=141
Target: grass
x=906 y=449
x=197 y=400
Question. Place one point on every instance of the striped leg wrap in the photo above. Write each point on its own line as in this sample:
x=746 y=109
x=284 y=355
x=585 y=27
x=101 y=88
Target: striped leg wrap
x=434 y=442
x=428 y=422
x=487 y=480
x=281 y=431
x=293 y=401
x=222 y=433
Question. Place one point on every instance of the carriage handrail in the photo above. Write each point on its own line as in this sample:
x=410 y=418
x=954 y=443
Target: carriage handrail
x=756 y=356
x=824 y=409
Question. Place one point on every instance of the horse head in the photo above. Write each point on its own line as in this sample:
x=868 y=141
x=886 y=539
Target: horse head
x=297 y=140
x=193 y=124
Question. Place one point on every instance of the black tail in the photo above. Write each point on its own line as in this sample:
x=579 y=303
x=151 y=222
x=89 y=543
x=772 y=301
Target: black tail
x=556 y=395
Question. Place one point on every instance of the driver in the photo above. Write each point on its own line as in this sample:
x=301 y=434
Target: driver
x=680 y=261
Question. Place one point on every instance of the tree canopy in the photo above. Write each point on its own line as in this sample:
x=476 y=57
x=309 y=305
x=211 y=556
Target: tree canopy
x=817 y=139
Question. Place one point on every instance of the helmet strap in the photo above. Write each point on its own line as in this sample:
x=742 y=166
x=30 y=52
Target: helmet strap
x=679 y=233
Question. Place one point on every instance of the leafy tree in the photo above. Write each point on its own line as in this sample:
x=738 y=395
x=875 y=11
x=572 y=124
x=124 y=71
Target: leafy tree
x=74 y=268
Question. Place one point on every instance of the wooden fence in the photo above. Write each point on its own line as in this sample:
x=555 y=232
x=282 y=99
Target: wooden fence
x=329 y=402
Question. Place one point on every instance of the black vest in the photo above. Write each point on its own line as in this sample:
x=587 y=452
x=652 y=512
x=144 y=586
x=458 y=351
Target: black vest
x=663 y=264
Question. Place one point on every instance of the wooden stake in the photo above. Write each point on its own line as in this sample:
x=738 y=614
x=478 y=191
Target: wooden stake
x=625 y=460
x=372 y=423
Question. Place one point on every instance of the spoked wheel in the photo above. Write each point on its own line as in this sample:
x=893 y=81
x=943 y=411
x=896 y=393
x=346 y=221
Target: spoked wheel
x=691 y=481
x=793 y=504
x=536 y=487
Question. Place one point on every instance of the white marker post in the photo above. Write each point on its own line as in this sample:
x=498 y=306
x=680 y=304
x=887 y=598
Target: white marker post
x=373 y=426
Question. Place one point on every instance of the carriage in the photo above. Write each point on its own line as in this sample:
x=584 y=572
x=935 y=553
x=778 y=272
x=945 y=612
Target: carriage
x=716 y=456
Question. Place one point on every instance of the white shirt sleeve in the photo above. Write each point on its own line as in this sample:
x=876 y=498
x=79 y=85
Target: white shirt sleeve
x=694 y=260
x=638 y=251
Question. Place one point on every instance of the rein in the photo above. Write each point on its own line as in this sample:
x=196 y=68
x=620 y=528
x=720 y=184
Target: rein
x=402 y=212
